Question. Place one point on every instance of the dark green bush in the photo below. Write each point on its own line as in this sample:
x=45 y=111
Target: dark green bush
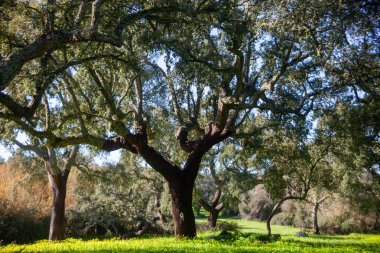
x=21 y=227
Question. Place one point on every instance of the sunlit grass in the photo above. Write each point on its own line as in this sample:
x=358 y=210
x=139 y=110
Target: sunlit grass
x=244 y=242
x=249 y=239
x=250 y=226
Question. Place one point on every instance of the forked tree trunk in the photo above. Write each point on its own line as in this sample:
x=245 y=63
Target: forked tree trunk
x=315 y=218
x=317 y=202
x=276 y=207
x=57 y=222
x=181 y=180
x=183 y=216
x=214 y=208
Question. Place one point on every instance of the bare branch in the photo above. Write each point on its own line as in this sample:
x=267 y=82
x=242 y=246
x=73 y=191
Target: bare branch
x=95 y=14
x=50 y=16
x=139 y=99
x=71 y=160
x=206 y=206
x=103 y=89
x=215 y=200
x=116 y=143
x=42 y=83
x=11 y=65
x=80 y=14
x=175 y=103
x=41 y=153
x=182 y=134
x=76 y=107
x=219 y=207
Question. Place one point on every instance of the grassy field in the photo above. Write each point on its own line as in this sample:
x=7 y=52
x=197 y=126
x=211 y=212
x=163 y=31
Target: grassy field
x=247 y=226
x=250 y=239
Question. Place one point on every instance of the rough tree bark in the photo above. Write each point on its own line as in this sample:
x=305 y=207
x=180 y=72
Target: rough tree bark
x=181 y=192
x=57 y=222
x=214 y=209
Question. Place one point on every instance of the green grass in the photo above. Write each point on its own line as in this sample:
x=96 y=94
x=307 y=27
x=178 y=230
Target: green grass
x=240 y=243
x=250 y=239
x=248 y=226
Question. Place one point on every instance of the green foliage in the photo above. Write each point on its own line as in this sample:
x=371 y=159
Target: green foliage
x=356 y=146
x=21 y=226
x=231 y=226
x=225 y=225
x=255 y=204
x=110 y=200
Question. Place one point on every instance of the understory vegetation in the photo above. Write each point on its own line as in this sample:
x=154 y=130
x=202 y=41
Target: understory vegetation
x=234 y=242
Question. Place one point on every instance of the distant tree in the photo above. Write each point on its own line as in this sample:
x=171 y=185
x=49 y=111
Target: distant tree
x=292 y=167
x=110 y=199
x=256 y=204
x=356 y=151
x=316 y=203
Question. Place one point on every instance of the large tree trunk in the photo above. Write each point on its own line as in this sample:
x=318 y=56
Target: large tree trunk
x=182 y=198
x=315 y=218
x=57 y=223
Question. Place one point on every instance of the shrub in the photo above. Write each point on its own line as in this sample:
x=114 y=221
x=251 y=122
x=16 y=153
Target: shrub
x=230 y=226
x=21 y=226
x=24 y=203
x=256 y=204
x=220 y=226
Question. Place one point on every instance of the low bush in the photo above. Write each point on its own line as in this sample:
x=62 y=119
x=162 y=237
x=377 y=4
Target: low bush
x=21 y=226
x=229 y=226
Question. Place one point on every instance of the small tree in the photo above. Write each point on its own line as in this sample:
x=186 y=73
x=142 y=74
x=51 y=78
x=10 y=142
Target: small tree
x=294 y=168
x=316 y=204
